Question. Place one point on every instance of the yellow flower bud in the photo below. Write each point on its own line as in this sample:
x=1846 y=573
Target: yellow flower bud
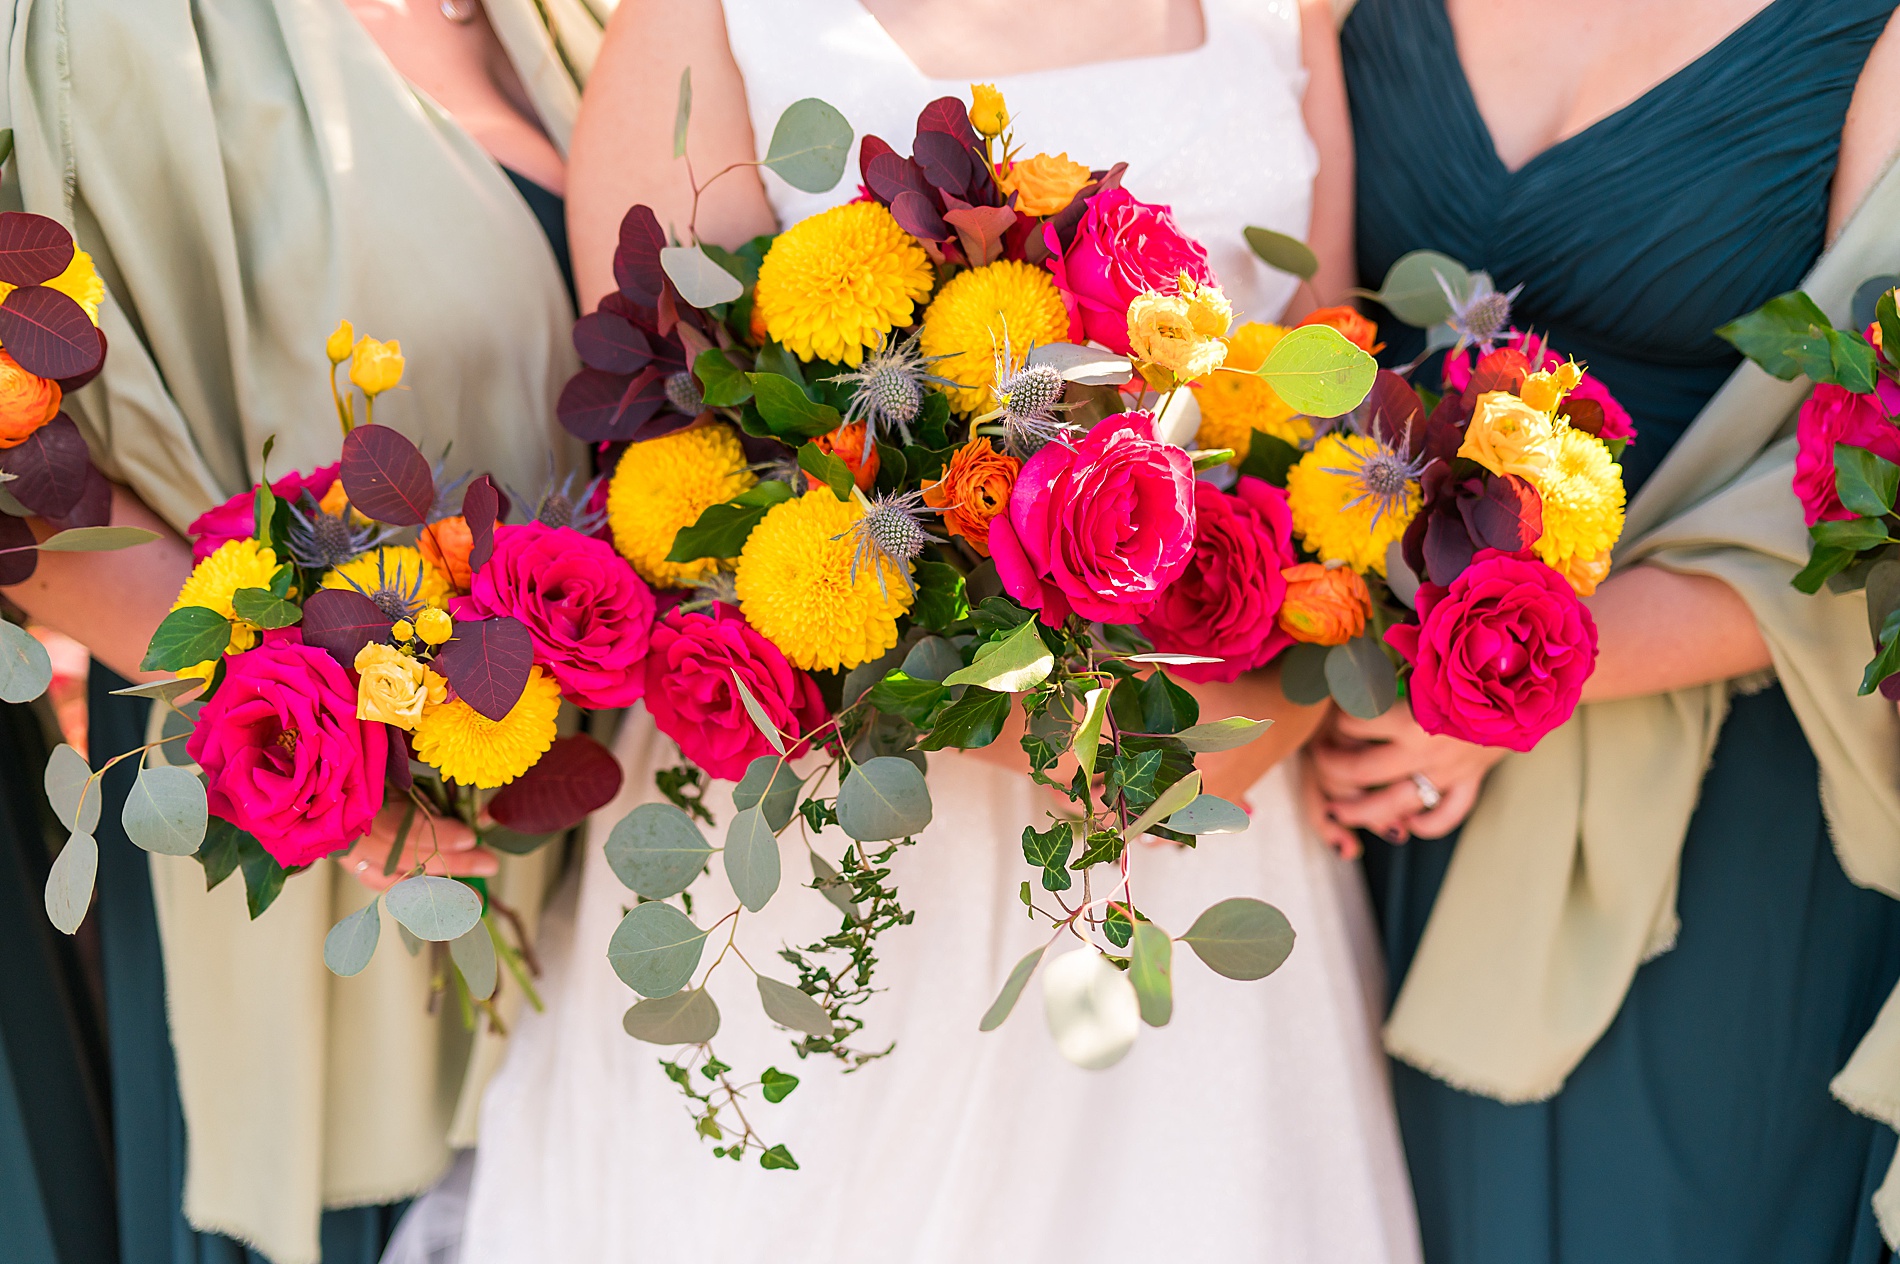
x=988 y=115
x=340 y=342
x=434 y=626
x=402 y=630
x=376 y=366
x=394 y=687
x=1545 y=390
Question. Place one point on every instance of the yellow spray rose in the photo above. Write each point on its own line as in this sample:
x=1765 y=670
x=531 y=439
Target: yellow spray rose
x=988 y=115
x=376 y=366
x=1044 y=184
x=1163 y=334
x=1508 y=436
x=434 y=626
x=1545 y=389
x=395 y=688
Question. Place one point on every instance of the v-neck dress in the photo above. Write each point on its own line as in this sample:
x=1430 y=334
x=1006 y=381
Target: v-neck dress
x=1700 y=1126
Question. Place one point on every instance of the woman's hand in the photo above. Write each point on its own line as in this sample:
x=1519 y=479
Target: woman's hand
x=1366 y=769
x=444 y=847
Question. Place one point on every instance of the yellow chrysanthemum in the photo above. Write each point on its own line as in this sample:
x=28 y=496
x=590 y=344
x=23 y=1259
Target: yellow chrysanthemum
x=1234 y=405
x=1583 y=501
x=971 y=317
x=214 y=583
x=467 y=747
x=79 y=282
x=795 y=585
x=664 y=484
x=398 y=569
x=837 y=282
x=1351 y=499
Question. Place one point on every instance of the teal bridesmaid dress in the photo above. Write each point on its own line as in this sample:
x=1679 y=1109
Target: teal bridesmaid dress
x=1699 y=1128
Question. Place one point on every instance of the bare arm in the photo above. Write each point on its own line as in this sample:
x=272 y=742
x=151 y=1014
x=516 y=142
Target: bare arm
x=1330 y=124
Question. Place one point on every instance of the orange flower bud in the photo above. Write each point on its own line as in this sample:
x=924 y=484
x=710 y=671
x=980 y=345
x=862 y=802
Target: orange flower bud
x=847 y=443
x=974 y=488
x=1356 y=329
x=1325 y=605
x=445 y=545
x=27 y=402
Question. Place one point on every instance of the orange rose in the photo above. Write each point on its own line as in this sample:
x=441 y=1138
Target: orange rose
x=1325 y=605
x=974 y=488
x=27 y=402
x=445 y=545
x=848 y=445
x=1044 y=184
x=1356 y=329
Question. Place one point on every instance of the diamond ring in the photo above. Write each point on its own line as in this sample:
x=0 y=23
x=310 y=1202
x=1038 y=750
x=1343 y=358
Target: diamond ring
x=1429 y=796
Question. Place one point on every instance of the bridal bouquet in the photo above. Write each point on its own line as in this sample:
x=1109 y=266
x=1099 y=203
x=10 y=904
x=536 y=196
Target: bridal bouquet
x=904 y=472
x=1847 y=459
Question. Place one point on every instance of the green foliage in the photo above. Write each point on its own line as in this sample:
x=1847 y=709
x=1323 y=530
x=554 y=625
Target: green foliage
x=1361 y=677
x=1268 y=458
x=943 y=602
x=684 y=786
x=722 y=384
x=1150 y=967
x=883 y=799
x=351 y=943
x=828 y=468
x=684 y=1018
x=1317 y=372
x=26 y=669
x=914 y=700
x=188 y=636
x=809 y=146
x=1412 y=291
x=1887 y=661
x=434 y=909
x=1241 y=938
x=1866 y=483
x=751 y=854
x=1048 y=850
x=698 y=277
x=1018 y=662
x=775 y=1085
x=1012 y=987
x=1287 y=254
x=972 y=721
x=721 y=530
x=787 y=410
x=655 y=949
x=1789 y=336
x=1104 y=847
x=165 y=811
x=265 y=608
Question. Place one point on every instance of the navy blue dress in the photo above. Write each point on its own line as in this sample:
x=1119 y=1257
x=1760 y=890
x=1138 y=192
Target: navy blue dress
x=1700 y=1127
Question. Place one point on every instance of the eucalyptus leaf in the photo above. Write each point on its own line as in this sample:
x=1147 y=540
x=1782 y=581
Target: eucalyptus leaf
x=433 y=908
x=166 y=812
x=1241 y=938
x=683 y=112
x=1399 y=576
x=1287 y=254
x=1091 y=1009
x=71 y=790
x=882 y=799
x=69 y=882
x=351 y=943
x=1412 y=290
x=752 y=864
x=1150 y=965
x=1317 y=372
x=26 y=669
x=655 y=949
x=789 y=1007
x=1020 y=661
x=699 y=280
x=656 y=851
x=760 y=719
x=1085 y=366
x=684 y=1018
x=161 y=690
x=1210 y=814
x=932 y=658
x=809 y=146
x=1088 y=734
x=96 y=539
x=770 y=785
x=1012 y=989
x=1361 y=678
x=473 y=952
x=827 y=881
x=1221 y=735
x=1170 y=801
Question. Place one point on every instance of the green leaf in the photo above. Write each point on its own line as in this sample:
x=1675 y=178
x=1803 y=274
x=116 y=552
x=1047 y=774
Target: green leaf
x=826 y=881
x=1287 y=254
x=1852 y=361
x=6 y=143
x=1303 y=674
x=1241 y=938
x=1361 y=678
x=774 y=358
x=1166 y=707
x=26 y=669
x=975 y=720
x=655 y=949
x=1134 y=771
x=72 y=790
x=1018 y=662
x=473 y=952
x=1149 y=965
x=943 y=601
x=1883 y=594
x=1048 y=849
x=770 y=785
x=266 y=610
x=1012 y=989
x=760 y=720
x=656 y=851
x=721 y=383
x=789 y=1007
x=1167 y=803
x=775 y=1085
x=684 y=1018
x=69 y=882
x=778 y=1158
x=1210 y=814
x=721 y=530
x=96 y=539
x=1118 y=927
x=1104 y=847
x=165 y=811
x=222 y=850
x=809 y=146
x=1866 y=483
x=263 y=876
x=189 y=635
x=683 y=112
x=914 y=700
x=1317 y=372
x=434 y=909
x=932 y=658
x=1787 y=336
x=1091 y=1009
x=351 y=943
x=1222 y=735
x=828 y=468
x=882 y=799
x=1851 y=533
x=263 y=500
x=1888 y=318
x=1887 y=661
x=1088 y=734
x=751 y=853
x=1826 y=560
x=1412 y=292
x=789 y=412
x=999 y=614
x=700 y=280
x=1268 y=458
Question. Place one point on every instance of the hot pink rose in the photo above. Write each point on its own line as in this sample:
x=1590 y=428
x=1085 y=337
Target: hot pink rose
x=1616 y=418
x=235 y=519
x=1225 y=603
x=692 y=700
x=285 y=757
x=1101 y=528
x=1831 y=416
x=1500 y=657
x=590 y=615
x=1121 y=248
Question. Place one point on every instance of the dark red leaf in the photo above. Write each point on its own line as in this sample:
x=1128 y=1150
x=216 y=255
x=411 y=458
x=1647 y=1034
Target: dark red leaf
x=603 y=407
x=637 y=268
x=16 y=568
x=94 y=507
x=1502 y=370
x=611 y=344
x=917 y=215
x=49 y=468
x=869 y=150
x=1394 y=413
x=487 y=663
x=342 y=621
x=1508 y=514
x=481 y=507
x=576 y=777
x=398 y=776
x=1448 y=548
x=981 y=230
x=386 y=477
x=68 y=385
x=33 y=248
x=888 y=174
x=1890 y=688
x=946 y=162
x=48 y=333
x=1582 y=414
x=949 y=116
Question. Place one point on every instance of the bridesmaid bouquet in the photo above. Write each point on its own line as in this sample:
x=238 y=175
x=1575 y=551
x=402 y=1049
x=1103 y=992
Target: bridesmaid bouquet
x=1847 y=459
x=905 y=472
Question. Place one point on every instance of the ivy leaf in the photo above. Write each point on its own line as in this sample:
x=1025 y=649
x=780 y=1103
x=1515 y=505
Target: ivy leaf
x=975 y=720
x=1103 y=848
x=943 y=601
x=1017 y=663
x=778 y=1158
x=901 y=695
x=775 y=1085
x=1049 y=850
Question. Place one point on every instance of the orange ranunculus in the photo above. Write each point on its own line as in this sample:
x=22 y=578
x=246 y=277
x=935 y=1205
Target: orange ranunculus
x=974 y=488
x=27 y=402
x=1356 y=329
x=1044 y=184
x=446 y=544
x=1585 y=573
x=848 y=445
x=1325 y=605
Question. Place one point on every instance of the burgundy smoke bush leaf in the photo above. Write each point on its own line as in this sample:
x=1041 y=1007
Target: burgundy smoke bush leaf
x=487 y=663
x=386 y=478
x=576 y=777
x=16 y=568
x=637 y=268
x=398 y=776
x=481 y=508
x=1445 y=428
x=33 y=248
x=870 y=149
x=1394 y=413
x=949 y=116
x=946 y=162
x=1503 y=370
x=94 y=506
x=890 y=174
x=604 y=407
x=48 y=333
x=1582 y=414
x=981 y=230
x=610 y=343
x=70 y=384
x=341 y=621
x=49 y=469
x=916 y=215
x=1448 y=547
x=1506 y=514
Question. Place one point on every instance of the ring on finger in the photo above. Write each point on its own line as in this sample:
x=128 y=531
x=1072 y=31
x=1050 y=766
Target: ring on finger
x=1429 y=795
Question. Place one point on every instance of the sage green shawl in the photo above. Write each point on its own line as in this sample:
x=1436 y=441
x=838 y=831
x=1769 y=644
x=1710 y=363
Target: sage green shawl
x=245 y=173
x=1564 y=880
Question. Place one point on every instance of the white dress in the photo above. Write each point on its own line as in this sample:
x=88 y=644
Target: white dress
x=1257 y=1126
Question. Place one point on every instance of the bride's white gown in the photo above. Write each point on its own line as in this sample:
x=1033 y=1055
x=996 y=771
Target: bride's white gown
x=1256 y=1126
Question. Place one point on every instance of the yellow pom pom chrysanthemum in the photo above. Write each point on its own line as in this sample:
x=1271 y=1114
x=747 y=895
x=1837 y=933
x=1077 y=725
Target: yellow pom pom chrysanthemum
x=839 y=281
x=1343 y=508
x=796 y=588
x=467 y=747
x=1234 y=405
x=664 y=484
x=976 y=312
x=1583 y=501
x=398 y=572
x=214 y=583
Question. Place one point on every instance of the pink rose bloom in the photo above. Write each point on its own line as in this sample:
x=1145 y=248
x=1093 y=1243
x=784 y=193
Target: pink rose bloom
x=1225 y=604
x=589 y=614
x=1616 y=418
x=1500 y=657
x=285 y=757
x=236 y=518
x=1101 y=528
x=1121 y=248
x=691 y=698
x=1831 y=416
